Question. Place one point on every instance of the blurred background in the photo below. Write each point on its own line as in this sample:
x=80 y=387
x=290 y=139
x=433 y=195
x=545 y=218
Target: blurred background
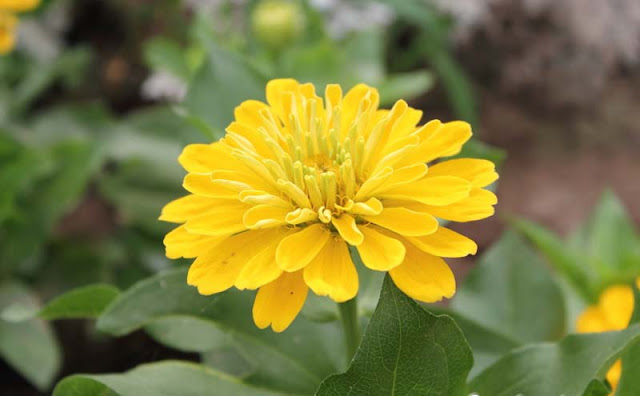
x=98 y=98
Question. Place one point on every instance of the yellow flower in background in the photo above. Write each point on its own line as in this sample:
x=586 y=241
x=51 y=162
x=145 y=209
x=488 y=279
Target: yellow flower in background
x=9 y=22
x=277 y=202
x=613 y=312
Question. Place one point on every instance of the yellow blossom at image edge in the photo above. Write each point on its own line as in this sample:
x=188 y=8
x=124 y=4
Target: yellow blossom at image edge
x=276 y=203
x=612 y=312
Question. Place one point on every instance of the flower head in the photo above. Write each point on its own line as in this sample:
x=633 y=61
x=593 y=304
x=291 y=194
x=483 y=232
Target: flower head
x=276 y=203
x=9 y=22
x=612 y=312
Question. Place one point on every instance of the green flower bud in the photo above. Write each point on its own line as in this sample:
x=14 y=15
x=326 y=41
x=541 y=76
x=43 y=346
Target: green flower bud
x=277 y=23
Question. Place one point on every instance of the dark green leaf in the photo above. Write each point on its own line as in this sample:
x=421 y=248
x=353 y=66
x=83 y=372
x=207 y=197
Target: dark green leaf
x=84 y=302
x=164 y=378
x=563 y=368
x=630 y=380
x=405 y=351
x=512 y=292
x=29 y=346
x=288 y=362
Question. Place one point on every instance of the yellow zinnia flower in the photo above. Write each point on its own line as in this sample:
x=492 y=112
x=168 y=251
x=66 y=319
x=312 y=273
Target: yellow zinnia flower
x=612 y=312
x=18 y=5
x=277 y=202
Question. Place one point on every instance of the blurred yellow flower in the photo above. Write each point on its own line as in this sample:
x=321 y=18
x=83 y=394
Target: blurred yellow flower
x=277 y=202
x=9 y=22
x=612 y=312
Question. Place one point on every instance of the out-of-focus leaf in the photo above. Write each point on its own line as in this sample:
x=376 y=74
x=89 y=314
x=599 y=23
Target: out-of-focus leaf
x=405 y=350
x=405 y=86
x=564 y=368
x=499 y=293
x=163 y=378
x=29 y=346
x=630 y=380
x=227 y=360
x=187 y=333
x=570 y=263
x=477 y=149
x=84 y=302
x=223 y=82
x=286 y=362
x=167 y=55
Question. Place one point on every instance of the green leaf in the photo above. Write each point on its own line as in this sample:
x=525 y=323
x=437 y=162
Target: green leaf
x=289 y=361
x=405 y=350
x=629 y=380
x=222 y=83
x=487 y=345
x=477 y=149
x=406 y=86
x=567 y=261
x=564 y=368
x=187 y=333
x=508 y=287
x=28 y=346
x=164 y=378
x=167 y=55
x=84 y=302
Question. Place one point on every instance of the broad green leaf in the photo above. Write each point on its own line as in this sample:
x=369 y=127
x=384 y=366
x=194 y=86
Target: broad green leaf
x=405 y=351
x=597 y=388
x=164 y=378
x=512 y=292
x=223 y=82
x=228 y=360
x=611 y=238
x=570 y=263
x=289 y=361
x=630 y=380
x=487 y=345
x=187 y=333
x=84 y=302
x=564 y=368
x=29 y=346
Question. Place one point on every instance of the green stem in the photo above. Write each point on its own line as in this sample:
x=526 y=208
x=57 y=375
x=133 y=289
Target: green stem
x=351 y=326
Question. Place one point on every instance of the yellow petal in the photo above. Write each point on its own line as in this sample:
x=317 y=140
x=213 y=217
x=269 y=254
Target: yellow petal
x=262 y=268
x=445 y=243
x=479 y=205
x=205 y=158
x=18 y=5
x=182 y=243
x=332 y=272
x=217 y=269
x=225 y=219
x=380 y=252
x=424 y=277
x=405 y=222
x=279 y=302
x=479 y=172
x=614 y=374
x=437 y=191
x=346 y=226
x=248 y=113
x=592 y=320
x=296 y=251
x=439 y=140
x=188 y=207
x=202 y=184
x=264 y=216
x=371 y=207
x=276 y=97
x=301 y=215
x=617 y=304
x=402 y=176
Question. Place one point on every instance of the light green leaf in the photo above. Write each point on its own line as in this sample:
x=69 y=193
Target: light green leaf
x=84 y=302
x=564 y=368
x=187 y=333
x=405 y=351
x=28 y=346
x=289 y=361
x=512 y=292
x=223 y=82
x=405 y=86
x=165 y=378
x=167 y=55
